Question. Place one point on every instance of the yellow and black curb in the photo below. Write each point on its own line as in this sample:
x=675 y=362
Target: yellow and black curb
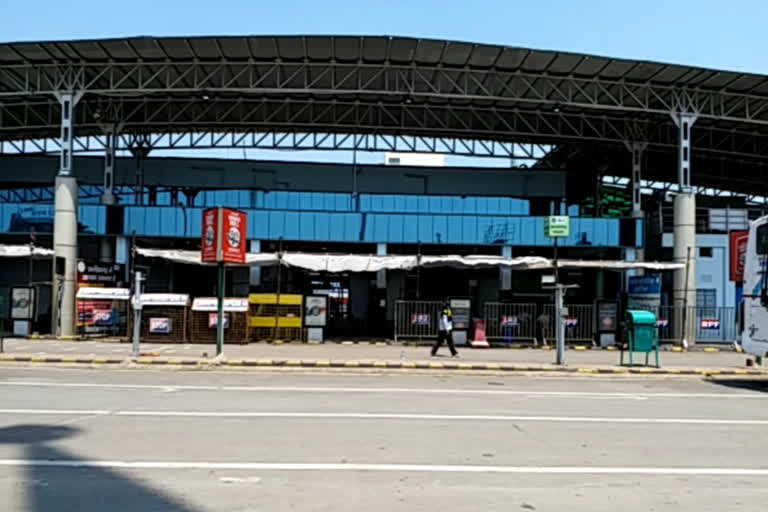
x=388 y=365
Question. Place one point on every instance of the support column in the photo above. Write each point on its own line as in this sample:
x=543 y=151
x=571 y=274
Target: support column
x=65 y=222
x=108 y=197
x=685 y=233
x=633 y=253
x=381 y=275
x=505 y=273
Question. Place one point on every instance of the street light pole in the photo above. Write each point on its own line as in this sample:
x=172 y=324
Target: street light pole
x=137 y=314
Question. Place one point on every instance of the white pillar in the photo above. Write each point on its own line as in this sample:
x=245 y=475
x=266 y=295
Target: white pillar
x=108 y=197
x=685 y=229
x=685 y=278
x=65 y=221
x=381 y=275
x=505 y=273
x=65 y=246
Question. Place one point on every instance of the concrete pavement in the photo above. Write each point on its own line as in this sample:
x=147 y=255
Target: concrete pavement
x=204 y=441
x=368 y=356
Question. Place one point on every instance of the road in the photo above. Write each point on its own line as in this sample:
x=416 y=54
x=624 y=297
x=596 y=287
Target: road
x=93 y=440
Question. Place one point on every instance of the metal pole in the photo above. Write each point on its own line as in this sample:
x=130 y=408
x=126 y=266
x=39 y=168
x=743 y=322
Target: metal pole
x=279 y=277
x=685 y=298
x=137 y=314
x=560 y=325
x=220 y=311
x=418 y=273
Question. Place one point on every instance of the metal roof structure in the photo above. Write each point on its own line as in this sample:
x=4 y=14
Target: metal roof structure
x=370 y=93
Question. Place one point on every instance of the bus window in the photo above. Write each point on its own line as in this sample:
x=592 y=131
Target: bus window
x=762 y=239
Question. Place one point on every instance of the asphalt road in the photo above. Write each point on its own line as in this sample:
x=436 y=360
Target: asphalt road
x=92 y=440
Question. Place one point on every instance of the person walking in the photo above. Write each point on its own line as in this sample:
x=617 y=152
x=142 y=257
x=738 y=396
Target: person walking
x=445 y=332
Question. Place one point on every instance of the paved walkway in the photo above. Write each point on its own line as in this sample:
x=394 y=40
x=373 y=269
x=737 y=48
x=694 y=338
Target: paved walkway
x=367 y=356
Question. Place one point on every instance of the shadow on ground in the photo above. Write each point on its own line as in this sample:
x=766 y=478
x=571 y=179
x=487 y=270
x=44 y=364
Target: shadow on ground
x=63 y=489
x=760 y=385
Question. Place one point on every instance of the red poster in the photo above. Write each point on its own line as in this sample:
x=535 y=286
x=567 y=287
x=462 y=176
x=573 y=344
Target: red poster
x=210 y=234
x=738 y=252
x=229 y=230
x=234 y=233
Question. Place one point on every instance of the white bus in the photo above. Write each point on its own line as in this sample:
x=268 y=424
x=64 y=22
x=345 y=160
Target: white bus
x=755 y=325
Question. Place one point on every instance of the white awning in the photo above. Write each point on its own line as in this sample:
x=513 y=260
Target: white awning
x=22 y=251
x=211 y=304
x=164 y=299
x=94 y=293
x=372 y=263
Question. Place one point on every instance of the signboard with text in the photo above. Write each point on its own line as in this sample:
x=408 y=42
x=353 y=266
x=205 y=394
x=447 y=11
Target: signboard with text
x=224 y=235
x=557 y=226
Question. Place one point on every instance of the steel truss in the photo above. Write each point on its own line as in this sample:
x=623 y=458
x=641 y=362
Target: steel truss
x=358 y=80
x=270 y=123
x=47 y=194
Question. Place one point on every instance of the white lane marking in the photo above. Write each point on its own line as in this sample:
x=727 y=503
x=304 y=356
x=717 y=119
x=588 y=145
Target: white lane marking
x=118 y=350
x=239 y=480
x=378 y=390
x=426 y=468
x=187 y=347
x=58 y=412
x=170 y=351
x=70 y=349
x=389 y=416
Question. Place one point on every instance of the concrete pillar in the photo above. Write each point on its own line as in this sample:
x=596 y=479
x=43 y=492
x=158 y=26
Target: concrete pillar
x=505 y=274
x=685 y=252
x=65 y=221
x=65 y=246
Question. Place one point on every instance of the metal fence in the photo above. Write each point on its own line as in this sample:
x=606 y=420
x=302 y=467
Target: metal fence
x=509 y=322
x=417 y=319
x=579 y=323
x=706 y=324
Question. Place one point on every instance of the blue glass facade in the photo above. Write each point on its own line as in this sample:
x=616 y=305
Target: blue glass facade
x=307 y=216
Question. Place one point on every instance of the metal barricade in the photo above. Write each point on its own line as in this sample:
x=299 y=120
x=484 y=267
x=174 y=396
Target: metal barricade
x=417 y=319
x=707 y=324
x=510 y=322
x=716 y=324
x=579 y=323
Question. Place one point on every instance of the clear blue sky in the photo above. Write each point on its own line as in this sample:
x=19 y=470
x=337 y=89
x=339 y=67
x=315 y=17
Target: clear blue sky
x=714 y=33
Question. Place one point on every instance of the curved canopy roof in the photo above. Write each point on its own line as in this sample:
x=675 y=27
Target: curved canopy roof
x=374 y=86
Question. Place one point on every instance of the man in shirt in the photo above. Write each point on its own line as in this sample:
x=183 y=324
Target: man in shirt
x=445 y=332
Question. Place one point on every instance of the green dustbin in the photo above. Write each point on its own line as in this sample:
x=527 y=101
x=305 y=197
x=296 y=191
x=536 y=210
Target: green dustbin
x=643 y=336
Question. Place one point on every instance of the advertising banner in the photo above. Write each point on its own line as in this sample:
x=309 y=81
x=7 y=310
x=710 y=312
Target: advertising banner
x=315 y=310
x=224 y=236
x=209 y=251
x=738 y=253
x=22 y=303
x=160 y=325
x=233 y=235
x=213 y=320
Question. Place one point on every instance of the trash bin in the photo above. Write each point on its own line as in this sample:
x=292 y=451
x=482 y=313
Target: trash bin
x=642 y=335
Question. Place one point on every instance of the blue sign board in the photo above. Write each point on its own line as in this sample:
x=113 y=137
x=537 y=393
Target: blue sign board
x=645 y=285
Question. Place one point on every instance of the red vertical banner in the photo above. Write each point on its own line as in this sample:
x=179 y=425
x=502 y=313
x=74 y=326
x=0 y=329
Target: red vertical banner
x=738 y=253
x=209 y=250
x=233 y=235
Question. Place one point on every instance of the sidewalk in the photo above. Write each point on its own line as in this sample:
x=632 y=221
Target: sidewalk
x=370 y=356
